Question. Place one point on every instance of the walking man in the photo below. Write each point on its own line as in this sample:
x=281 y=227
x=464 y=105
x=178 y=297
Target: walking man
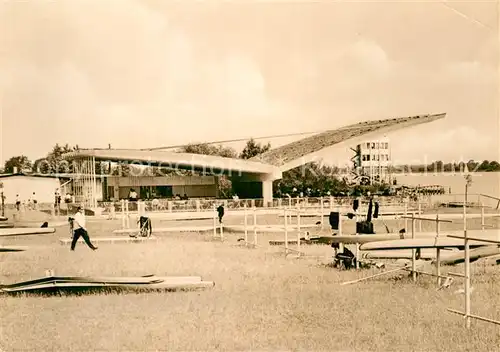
x=78 y=224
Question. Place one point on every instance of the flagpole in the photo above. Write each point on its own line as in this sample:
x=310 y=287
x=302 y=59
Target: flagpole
x=468 y=181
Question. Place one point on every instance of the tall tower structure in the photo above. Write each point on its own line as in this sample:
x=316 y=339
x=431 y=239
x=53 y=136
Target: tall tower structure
x=372 y=161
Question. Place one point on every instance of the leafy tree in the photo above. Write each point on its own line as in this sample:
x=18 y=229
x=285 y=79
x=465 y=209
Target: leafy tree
x=22 y=163
x=494 y=166
x=313 y=180
x=253 y=148
x=209 y=149
x=41 y=166
x=121 y=169
x=57 y=163
x=54 y=162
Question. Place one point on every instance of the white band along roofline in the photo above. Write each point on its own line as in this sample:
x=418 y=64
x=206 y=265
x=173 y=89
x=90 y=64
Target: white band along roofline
x=187 y=161
x=271 y=163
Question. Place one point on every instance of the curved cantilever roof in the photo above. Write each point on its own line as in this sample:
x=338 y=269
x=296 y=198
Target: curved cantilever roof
x=303 y=151
x=271 y=163
x=197 y=162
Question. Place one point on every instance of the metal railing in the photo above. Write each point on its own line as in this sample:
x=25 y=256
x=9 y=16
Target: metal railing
x=312 y=203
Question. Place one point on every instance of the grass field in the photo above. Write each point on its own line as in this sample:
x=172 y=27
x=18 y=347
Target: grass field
x=261 y=301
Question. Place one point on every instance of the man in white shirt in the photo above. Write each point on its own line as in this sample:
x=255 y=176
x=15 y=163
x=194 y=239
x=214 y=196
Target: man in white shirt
x=132 y=196
x=78 y=223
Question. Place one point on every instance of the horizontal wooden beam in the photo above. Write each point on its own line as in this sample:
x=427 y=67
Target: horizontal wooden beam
x=372 y=276
x=475 y=239
x=425 y=273
x=428 y=219
x=474 y=316
x=456 y=274
x=487 y=196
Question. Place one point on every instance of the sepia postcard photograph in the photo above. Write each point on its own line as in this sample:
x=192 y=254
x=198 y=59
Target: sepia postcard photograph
x=250 y=175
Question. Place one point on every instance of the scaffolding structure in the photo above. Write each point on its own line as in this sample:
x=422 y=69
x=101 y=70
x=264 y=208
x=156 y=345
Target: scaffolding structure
x=85 y=183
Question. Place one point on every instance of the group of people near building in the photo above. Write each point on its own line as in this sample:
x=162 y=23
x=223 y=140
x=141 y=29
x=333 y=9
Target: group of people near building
x=30 y=203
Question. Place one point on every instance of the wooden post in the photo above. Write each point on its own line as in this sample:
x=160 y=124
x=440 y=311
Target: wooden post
x=286 y=232
x=123 y=213
x=127 y=214
x=322 y=212
x=214 y=221
x=406 y=214
x=246 y=224
x=357 y=256
x=298 y=231
x=438 y=254
x=419 y=214
x=221 y=232
x=341 y=245
x=467 y=265
x=255 y=226
x=438 y=266
x=413 y=251
x=482 y=216
x=340 y=223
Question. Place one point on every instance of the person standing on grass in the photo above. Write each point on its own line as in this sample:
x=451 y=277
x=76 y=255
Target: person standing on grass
x=220 y=211
x=78 y=224
x=34 y=202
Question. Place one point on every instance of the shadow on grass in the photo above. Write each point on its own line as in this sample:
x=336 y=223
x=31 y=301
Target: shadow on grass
x=106 y=290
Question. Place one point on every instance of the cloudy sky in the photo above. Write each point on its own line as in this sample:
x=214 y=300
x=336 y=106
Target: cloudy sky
x=151 y=73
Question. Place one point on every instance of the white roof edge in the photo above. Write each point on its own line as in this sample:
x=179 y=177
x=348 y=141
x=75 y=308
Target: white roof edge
x=180 y=159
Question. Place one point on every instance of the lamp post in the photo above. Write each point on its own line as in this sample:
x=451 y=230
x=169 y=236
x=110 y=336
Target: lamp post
x=468 y=182
x=1 y=195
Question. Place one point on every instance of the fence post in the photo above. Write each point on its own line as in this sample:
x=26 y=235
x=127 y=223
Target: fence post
x=246 y=224
x=298 y=231
x=322 y=211
x=255 y=226
x=286 y=231
x=122 y=205
x=215 y=220
x=127 y=215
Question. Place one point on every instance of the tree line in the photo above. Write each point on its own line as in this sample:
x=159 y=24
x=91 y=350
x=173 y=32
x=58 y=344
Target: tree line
x=312 y=179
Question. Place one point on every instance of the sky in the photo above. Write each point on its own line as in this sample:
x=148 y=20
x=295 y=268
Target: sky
x=139 y=74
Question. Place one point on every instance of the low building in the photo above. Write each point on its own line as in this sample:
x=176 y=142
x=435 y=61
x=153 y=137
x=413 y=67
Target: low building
x=114 y=188
x=28 y=187
x=150 y=187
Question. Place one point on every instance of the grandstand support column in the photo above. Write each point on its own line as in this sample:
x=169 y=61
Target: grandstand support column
x=267 y=193
x=267 y=190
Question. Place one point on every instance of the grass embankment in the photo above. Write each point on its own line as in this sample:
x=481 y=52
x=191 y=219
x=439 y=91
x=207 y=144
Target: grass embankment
x=261 y=301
